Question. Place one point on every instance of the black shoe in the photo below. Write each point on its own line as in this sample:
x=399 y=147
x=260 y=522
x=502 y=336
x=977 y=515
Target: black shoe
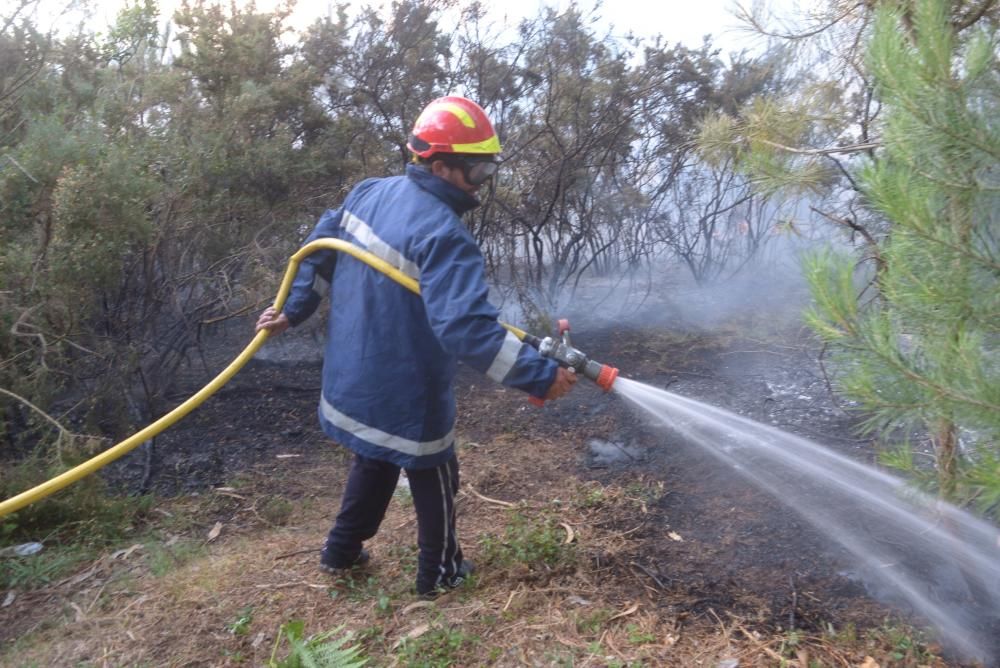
x=335 y=565
x=465 y=569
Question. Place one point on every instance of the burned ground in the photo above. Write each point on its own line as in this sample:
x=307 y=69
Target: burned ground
x=665 y=541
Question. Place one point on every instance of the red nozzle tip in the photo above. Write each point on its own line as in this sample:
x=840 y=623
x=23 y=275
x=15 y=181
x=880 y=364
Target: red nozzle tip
x=563 y=326
x=606 y=378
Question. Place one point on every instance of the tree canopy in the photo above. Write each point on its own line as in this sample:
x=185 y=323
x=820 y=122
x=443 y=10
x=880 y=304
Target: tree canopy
x=894 y=132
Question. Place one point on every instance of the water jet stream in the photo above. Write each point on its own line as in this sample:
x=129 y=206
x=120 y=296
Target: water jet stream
x=911 y=546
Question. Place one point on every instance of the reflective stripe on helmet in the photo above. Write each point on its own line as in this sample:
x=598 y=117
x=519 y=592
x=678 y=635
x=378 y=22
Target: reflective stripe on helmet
x=491 y=145
x=453 y=108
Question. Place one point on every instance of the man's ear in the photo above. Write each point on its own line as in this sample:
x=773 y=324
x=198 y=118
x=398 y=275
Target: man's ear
x=438 y=168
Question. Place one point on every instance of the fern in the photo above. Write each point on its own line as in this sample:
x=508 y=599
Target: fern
x=316 y=651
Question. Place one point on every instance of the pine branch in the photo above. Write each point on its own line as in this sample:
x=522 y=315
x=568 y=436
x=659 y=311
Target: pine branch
x=754 y=22
x=922 y=380
x=834 y=150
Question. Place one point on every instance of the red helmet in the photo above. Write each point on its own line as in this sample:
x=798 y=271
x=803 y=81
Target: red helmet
x=453 y=125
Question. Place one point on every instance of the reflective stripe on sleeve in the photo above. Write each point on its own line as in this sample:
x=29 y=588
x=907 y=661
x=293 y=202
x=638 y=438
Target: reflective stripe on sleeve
x=320 y=285
x=383 y=439
x=505 y=359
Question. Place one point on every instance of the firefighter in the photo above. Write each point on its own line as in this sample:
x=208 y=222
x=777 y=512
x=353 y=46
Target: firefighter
x=389 y=366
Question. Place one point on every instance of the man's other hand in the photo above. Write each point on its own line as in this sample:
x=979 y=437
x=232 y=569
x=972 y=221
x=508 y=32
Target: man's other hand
x=272 y=321
x=565 y=379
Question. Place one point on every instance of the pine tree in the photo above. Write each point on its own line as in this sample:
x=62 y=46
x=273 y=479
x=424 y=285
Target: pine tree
x=924 y=351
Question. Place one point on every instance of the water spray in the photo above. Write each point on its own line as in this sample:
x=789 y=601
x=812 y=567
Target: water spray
x=909 y=548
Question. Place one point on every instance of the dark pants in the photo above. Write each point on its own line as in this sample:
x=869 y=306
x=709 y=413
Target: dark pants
x=369 y=488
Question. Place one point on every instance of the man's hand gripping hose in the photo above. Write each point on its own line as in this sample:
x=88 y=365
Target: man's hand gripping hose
x=103 y=459
x=568 y=357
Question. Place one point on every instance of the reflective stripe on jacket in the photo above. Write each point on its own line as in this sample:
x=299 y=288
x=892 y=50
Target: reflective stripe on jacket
x=391 y=355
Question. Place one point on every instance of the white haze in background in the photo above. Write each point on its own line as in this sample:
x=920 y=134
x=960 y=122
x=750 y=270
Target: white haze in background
x=664 y=293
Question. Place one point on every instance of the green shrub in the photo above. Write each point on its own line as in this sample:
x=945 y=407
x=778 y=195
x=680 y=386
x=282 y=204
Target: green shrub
x=83 y=512
x=163 y=558
x=534 y=542
x=276 y=510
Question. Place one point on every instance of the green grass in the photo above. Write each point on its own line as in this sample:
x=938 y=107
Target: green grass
x=637 y=636
x=276 y=510
x=644 y=494
x=405 y=555
x=241 y=625
x=440 y=647
x=163 y=558
x=903 y=644
x=594 y=497
x=537 y=542
x=37 y=570
x=361 y=587
x=591 y=622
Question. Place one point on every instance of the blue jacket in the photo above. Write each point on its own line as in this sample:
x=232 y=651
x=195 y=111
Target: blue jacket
x=391 y=355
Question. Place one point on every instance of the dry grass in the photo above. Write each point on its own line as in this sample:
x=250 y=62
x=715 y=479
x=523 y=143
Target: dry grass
x=558 y=585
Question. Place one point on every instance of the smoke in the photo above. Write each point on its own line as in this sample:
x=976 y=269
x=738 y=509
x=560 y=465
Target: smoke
x=769 y=285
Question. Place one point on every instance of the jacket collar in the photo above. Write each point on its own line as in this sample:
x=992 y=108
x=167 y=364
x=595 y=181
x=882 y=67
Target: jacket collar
x=460 y=201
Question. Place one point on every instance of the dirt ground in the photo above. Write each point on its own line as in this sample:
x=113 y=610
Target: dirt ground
x=600 y=540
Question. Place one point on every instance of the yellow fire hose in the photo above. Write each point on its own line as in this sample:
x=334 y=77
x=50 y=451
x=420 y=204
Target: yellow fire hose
x=111 y=454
